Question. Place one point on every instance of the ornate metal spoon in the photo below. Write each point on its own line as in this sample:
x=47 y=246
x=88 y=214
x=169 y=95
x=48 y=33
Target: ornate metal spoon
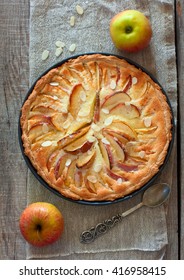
x=152 y=197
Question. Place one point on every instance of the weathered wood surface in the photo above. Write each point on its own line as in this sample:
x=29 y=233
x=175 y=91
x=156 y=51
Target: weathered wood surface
x=180 y=62
x=14 y=75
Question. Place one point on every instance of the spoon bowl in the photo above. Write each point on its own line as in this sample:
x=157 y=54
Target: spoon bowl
x=156 y=195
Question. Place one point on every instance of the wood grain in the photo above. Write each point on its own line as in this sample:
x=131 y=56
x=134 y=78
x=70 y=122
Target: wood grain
x=14 y=43
x=14 y=82
x=180 y=64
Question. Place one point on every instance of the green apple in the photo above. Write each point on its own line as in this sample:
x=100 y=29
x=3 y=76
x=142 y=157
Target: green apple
x=41 y=223
x=130 y=30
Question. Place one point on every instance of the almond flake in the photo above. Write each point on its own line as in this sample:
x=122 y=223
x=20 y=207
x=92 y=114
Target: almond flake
x=58 y=51
x=113 y=84
x=83 y=113
x=91 y=138
x=60 y=44
x=92 y=179
x=97 y=168
x=142 y=154
x=66 y=124
x=68 y=162
x=45 y=128
x=54 y=84
x=83 y=96
x=119 y=181
x=108 y=121
x=105 y=111
x=147 y=121
x=45 y=54
x=79 y=10
x=134 y=80
x=64 y=110
x=72 y=21
x=46 y=144
x=105 y=141
x=95 y=127
x=55 y=97
x=72 y=47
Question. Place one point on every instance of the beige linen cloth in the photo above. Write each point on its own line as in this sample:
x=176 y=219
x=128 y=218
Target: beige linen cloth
x=143 y=234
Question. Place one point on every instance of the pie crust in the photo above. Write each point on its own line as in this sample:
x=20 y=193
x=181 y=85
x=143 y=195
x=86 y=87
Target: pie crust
x=96 y=128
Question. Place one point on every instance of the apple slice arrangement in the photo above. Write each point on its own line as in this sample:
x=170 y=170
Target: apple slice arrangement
x=96 y=128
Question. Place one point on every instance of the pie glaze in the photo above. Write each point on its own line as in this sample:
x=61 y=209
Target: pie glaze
x=96 y=128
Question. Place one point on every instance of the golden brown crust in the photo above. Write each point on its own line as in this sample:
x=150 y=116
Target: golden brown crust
x=96 y=128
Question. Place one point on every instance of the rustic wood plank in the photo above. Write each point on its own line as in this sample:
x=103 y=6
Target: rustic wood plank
x=180 y=60
x=14 y=42
x=14 y=67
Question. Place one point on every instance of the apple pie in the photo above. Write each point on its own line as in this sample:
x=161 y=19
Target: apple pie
x=96 y=128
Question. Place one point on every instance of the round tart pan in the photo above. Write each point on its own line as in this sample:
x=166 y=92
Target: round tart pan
x=96 y=203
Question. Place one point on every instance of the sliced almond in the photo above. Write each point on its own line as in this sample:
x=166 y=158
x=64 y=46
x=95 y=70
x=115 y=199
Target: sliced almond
x=46 y=144
x=91 y=138
x=45 y=54
x=147 y=122
x=134 y=80
x=83 y=113
x=112 y=84
x=142 y=154
x=79 y=10
x=108 y=121
x=60 y=44
x=95 y=127
x=92 y=179
x=64 y=110
x=66 y=124
x=54 y=84
x=58 y=51
x=72 y=21
x=97 y=168
x=72 y=47
x=105 y=111
x=105 y=141
x=55 y=97
x=119 y=181
x=68 y=162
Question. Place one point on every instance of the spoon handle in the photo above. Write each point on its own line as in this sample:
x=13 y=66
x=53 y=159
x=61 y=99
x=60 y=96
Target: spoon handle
x=91 y=234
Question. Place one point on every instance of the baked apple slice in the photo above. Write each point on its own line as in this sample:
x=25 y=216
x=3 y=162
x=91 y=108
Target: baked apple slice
x=58 y=120
x=96 y=117
x=81 y=145
x=106 y=154
x=127 y=111
x=114 y=175
x=127 y=167
x=73 y=137
x=86 y=160
x=115 y=98
x=75 y=100
x=128 y=84
x=116 y=135
x=39 y=129
x=60 y=166
x=70 y=174
x=123 y=129
x=146 y=130
x=117 y=149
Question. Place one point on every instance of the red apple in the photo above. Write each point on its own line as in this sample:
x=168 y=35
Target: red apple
x=130 y=30
x=41 y=224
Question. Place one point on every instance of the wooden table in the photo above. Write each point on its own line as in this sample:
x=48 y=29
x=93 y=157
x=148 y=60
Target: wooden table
x=14 y=63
